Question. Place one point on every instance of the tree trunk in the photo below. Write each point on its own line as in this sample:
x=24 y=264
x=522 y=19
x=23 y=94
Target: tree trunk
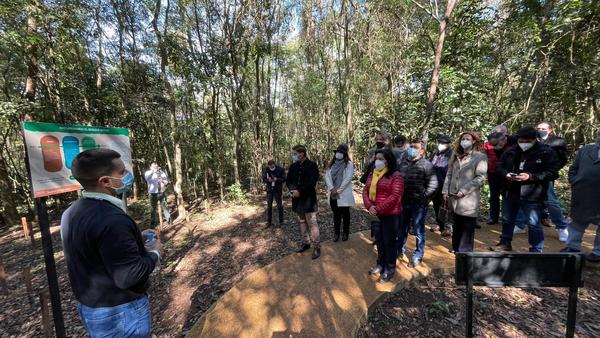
x=32 y=62
x=10 y=213
x=169 y=94
x=435 y=74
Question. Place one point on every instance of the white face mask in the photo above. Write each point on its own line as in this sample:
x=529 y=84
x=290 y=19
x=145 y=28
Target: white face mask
x=525 y=146
x=379 y=164
x=466 y=144
x=442 y=147
x=339 y=156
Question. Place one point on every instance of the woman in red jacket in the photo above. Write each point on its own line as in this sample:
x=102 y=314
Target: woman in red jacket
x=382 y=197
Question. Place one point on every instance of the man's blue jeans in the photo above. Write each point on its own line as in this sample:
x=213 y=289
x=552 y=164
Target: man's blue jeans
x=576 y=231
x=555 y=211
x=416 y=213
x=532 y=211
x=131 y=319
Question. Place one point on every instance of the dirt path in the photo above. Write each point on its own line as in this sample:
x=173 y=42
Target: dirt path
x=204 y=258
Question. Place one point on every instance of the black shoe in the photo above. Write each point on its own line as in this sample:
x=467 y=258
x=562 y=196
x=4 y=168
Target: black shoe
x=492 y=222
x=592 y=258
x=567 y=249
x=344 y=237
x=477 y=226
x=376 y=270
x=386 y=277
x=303 y=248
x=316 y=253
x=501 y=248
x=336 y=237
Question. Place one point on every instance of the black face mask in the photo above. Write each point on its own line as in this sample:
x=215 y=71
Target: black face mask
x=380 y=145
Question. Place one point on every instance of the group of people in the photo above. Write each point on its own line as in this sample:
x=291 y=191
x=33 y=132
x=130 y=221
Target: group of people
x=400 y=183
x=109 y=260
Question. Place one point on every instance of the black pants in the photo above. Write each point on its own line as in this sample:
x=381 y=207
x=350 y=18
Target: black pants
x=438 y=201
x=340 y=214
x=495 y=183
x=386 y=244
x=274 y=194
x=463 y=236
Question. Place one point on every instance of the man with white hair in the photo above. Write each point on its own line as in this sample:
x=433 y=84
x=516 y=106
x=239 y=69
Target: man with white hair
x=584 y=176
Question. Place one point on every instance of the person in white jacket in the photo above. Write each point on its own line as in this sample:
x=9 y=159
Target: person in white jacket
x=338 y=177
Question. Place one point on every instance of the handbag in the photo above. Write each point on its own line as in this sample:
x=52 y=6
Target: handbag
x=445 y=213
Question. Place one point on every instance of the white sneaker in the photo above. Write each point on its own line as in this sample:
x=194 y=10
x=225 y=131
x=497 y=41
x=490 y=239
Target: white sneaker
x=519 y=230
x=563 y=234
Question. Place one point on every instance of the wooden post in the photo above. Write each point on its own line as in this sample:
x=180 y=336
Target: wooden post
x=3 y=283
x=28 y=230
x=28 y=285
x=46 y=329
x=25 y=227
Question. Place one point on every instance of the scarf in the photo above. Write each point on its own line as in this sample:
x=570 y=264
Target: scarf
x=104 y=197
x=337 y=173
x=377 y=175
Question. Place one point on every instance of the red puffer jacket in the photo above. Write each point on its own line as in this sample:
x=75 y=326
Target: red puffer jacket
x=389 y=195
x=492 y=158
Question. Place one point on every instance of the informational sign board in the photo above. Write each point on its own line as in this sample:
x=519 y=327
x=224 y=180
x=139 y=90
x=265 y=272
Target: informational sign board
x=52 y=147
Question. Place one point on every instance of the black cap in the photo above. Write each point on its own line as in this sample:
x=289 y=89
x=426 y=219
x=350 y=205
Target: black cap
x=444 y=139
x=528 y=133
x=342 y=148
x=495 y=136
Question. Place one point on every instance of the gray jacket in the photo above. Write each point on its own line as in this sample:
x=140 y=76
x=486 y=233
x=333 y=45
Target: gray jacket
x=466 y=176
x=584 y=176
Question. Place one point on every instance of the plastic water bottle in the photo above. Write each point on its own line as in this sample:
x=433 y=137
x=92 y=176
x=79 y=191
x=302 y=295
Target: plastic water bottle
x=150 y=238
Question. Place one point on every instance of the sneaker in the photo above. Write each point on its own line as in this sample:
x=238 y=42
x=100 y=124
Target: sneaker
x=592 y=258
x=385 y=277
x=376 y=270
x=563 y=234
x=447 y=232
x=518 y=231
x=415 y=261
x=501 y=248
x=492 y=222
x=569 y=250
x=434 y=228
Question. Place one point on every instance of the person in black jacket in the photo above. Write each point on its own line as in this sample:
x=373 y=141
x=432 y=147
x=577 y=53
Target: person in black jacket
x=440 y=161
x=528 y=169
x=420 y=183
x=273 y=177
x=109 y=261
x=555 y=212
x=302 y=179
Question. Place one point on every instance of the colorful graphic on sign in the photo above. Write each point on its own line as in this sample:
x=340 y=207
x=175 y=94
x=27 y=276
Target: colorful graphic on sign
x=50 y=160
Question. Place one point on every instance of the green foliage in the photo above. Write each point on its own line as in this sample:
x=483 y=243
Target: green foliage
x=236 y=194
x=438 y=308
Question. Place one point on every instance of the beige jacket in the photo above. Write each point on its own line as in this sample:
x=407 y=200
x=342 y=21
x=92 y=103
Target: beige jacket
x=467 y=176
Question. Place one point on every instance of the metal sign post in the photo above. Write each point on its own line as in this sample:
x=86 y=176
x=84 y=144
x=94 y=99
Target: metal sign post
x=521 y=270
x=59 y=325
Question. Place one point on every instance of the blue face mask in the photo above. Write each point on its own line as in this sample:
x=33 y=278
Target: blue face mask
x=295 y=158
x=127 y=181
x=412 y=152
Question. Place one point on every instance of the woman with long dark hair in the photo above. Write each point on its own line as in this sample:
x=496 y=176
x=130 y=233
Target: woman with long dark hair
x=338 y=177
x=382 y=196
x=467 y=172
